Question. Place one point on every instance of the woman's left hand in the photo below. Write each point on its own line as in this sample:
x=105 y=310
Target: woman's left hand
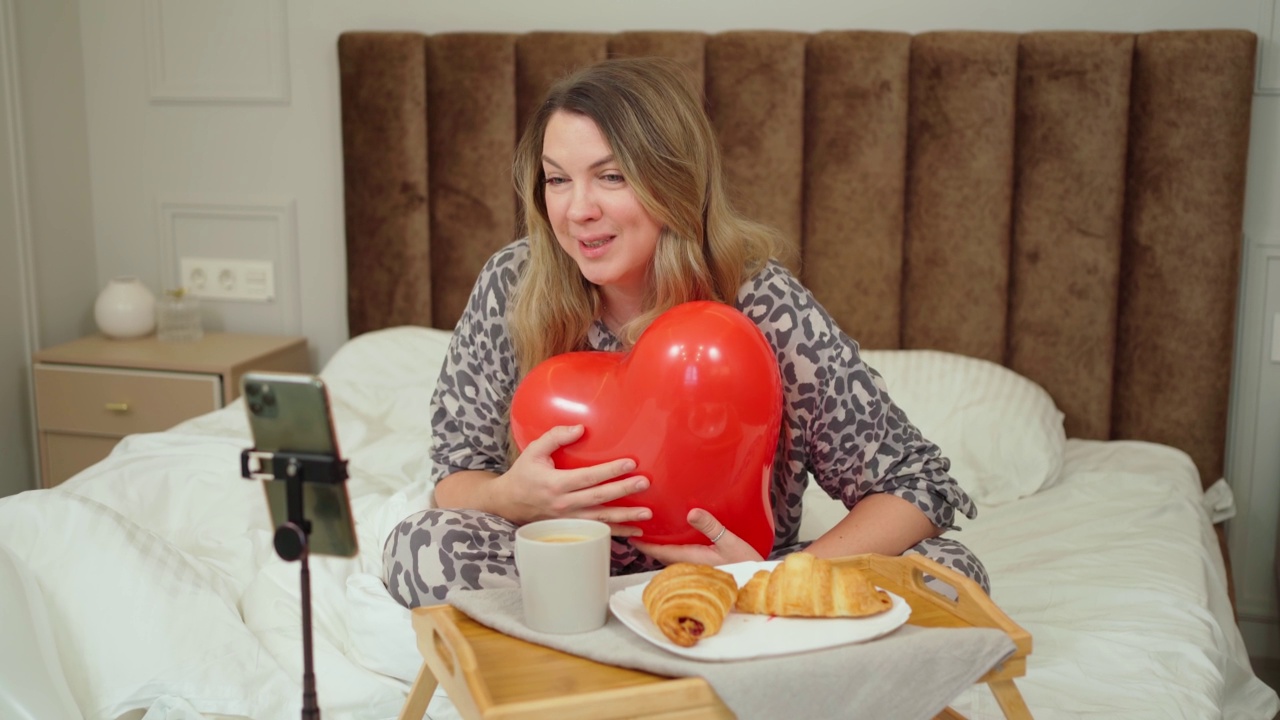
x=725 y=547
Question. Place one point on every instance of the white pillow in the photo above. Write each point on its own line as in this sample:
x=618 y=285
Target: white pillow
x=1001 y=431
x=393 y=357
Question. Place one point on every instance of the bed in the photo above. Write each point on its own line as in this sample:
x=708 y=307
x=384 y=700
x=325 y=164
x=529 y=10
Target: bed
x=1034 y=237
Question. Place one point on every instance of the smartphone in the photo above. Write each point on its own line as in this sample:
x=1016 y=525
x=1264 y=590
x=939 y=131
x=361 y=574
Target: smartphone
x=289 y=413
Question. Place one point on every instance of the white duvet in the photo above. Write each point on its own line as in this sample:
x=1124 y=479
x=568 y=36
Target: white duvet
x=1116 y=573
x=164 y=597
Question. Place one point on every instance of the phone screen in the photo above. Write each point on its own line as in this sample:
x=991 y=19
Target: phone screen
x=290 y=413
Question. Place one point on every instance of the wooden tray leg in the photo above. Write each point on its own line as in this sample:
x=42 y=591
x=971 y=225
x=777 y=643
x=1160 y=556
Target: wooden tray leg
x=415 y=706
x=1007 y=695
x=1011 y=702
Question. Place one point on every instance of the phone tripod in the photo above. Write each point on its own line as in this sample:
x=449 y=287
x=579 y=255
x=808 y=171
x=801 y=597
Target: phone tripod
x=292 y=538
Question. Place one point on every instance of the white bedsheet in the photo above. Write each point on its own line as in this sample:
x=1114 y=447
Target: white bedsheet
x=164 y=593
x=1116 y=573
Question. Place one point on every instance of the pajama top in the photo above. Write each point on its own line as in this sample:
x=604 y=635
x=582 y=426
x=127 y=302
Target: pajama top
x=839 y=425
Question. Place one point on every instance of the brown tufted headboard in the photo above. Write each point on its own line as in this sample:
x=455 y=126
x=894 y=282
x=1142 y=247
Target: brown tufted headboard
x=1067 y=204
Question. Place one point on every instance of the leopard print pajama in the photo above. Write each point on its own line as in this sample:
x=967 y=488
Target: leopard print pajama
x=839 y=428
x=434 y=551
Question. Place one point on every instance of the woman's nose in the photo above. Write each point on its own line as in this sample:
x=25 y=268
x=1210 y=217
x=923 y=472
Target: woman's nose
x=583 y=206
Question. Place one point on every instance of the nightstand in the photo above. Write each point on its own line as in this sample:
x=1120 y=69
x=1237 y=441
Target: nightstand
x=92 y=392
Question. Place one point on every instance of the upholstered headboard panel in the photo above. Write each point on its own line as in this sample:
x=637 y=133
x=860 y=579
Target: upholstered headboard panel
x=1067 y=204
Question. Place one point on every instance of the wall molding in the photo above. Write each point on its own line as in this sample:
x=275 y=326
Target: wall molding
x=281 y=215
x=267 y=82
x=1268 y=51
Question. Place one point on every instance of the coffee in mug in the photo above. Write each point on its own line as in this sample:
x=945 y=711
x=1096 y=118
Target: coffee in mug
x=564 y=574
x=562 y=538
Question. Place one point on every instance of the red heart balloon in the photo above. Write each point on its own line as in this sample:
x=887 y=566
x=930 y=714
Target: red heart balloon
x=697 y=403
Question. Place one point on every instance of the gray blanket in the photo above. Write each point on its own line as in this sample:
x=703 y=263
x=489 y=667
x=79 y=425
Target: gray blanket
x=912 y=672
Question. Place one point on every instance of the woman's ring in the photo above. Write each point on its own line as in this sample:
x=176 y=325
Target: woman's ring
x=719 y=535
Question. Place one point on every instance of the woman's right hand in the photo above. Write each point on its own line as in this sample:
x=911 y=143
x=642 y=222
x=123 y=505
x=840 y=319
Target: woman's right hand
x=534 y=489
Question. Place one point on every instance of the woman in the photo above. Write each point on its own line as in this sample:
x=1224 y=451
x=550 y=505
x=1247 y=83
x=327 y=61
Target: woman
x=620 y=177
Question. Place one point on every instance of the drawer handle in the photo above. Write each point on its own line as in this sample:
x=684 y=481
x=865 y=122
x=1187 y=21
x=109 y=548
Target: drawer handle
x=118 y=407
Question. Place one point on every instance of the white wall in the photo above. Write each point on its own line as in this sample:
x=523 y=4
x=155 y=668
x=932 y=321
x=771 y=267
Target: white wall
x=17 y=312
x=251 y=167
x=48 y=274
x=57 y=169
x=1253 y=459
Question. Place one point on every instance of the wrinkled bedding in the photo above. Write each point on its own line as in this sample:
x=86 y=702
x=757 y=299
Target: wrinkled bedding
x=165 y=597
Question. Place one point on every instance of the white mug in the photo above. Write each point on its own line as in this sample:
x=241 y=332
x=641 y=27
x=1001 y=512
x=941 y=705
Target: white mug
x=564 y=574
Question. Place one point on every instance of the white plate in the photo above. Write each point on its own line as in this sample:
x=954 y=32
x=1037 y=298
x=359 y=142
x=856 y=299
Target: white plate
x=744 y=636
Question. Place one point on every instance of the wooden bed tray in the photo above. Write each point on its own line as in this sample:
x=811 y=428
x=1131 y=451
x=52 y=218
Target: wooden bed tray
x=489 y=675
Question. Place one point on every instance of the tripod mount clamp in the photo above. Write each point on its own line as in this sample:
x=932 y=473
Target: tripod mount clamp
x=265 y=465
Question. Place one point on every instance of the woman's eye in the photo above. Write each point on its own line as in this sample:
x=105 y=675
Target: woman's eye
x=554 y=181
x=613 y=178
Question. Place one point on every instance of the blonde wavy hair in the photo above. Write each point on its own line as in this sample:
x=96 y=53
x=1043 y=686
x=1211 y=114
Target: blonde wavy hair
x=655 y=124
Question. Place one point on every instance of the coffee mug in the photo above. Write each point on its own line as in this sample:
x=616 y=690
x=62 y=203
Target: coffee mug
x=564 y=574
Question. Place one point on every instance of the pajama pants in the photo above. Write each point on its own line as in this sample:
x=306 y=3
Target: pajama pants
x=435 y=551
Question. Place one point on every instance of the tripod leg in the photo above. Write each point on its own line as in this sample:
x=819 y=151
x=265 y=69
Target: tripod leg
x=291 y=543
x=310 y=706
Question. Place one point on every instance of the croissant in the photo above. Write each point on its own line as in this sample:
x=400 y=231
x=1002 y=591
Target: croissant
x=805 y=586
x=688 y=602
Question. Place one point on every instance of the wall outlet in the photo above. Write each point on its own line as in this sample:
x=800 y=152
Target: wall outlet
x=227 y=279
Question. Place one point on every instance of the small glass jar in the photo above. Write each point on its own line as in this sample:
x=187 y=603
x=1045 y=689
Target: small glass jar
x=178 y=317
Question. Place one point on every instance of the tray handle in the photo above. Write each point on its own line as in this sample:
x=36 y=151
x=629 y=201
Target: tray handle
x=905 y=575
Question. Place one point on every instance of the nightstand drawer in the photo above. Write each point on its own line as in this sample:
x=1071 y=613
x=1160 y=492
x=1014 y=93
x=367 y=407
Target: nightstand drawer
x=69 y=454
x=120 y=402
x=93 y=391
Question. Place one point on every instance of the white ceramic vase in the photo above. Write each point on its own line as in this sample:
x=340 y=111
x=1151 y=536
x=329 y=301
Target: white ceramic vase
x=125 y=309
